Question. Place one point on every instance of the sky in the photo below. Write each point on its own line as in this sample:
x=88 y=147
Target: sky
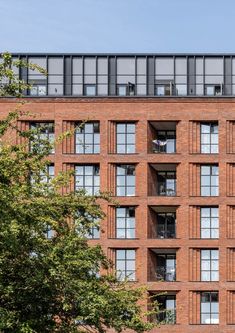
x=117 y=26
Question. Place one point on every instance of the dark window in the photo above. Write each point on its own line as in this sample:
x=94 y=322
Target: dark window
x=125 y=137
x=125 y=264
x=43 y=134
x=87 y=138
x=209 y=308
x=209 y=265
x=125 y=180
x=167 y=309
x=87 y=177
x=166 y=267
x=165 y=142
x=125 y=222
x=213 y=90
x=209 y=180
x=166 y=225
x=89 y=90
x=166 y=181
x=209 y=222
x=209 y=138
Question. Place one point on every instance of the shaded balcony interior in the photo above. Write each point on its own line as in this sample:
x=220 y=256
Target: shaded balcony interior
x=165 y=306
x=162 y=137
x=162 y=264
x=162 y=222
x=162 y=179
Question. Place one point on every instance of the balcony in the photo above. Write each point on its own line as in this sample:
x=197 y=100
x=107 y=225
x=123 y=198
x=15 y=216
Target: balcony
x=162 y=265
x=166 y=308
x=162 y=180
x=162 y=137
x=162 y=222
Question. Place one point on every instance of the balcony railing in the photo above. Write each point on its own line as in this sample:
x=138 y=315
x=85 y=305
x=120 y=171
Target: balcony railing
x=167 y=189
x=166 y=273
x=166 y=234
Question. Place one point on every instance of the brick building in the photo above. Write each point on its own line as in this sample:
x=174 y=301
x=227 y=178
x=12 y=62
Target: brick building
x=159 y=136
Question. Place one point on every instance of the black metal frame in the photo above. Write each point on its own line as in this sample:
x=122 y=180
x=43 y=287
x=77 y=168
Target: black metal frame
x=84 y=144
x=210 y=271
x=125 y=167
x=210 y=175
x=210 y=217
x=125 y=229
x=126 y=272
x=210 y=301
x=208 y=134
x=84 y=186
x=166 y=232
x=125 y=134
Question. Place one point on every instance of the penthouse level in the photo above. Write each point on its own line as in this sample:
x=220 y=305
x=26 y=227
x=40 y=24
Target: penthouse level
x=130 y=74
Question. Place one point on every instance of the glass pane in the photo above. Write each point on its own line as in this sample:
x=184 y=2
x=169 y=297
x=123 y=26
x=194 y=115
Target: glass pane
x=121 y=149
x=121 y=233
x=205 y=128
x=205 y=170
x=205 y=191
x=130 y=191
x=120 y=254
x=120 y=191
x=205 y=180
x=205 y=222
x=130 y=254
x=205 y=233
x=205 y=254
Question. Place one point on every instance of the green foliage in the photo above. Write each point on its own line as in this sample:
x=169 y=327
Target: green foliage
x=52 y=284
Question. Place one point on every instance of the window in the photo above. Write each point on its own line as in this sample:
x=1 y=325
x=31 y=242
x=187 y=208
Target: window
x=87 y=138
x=94 y=233
x=47 y=175
x=49 y=233
x=125 y=180
x=166 y=267
x=209 y=265
x=41 y=181
x=167 y=309
x=125 y=222
x=166 y=183
x=126 y=89
x=163 y=89
x=213 y=90
x=209 y=180
x=87 y=177
x=43 y=134
x=122 y=90
x=125 y=133
x=209 y=308
x=210 y=222
x=209 y=138
x=38 y=90
x=181 y=89
x=165 y=142
x=125 y=264
x=89 y=90
x=166 y=225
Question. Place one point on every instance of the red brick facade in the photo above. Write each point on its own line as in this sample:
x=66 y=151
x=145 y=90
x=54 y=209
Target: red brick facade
x=187 y=113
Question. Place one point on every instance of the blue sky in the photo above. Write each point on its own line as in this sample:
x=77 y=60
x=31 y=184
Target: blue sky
x=117 y=25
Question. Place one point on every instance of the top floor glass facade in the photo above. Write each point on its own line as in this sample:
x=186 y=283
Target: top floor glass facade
x=130 y=75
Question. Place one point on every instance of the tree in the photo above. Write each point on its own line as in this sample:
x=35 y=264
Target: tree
x=56 y=284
